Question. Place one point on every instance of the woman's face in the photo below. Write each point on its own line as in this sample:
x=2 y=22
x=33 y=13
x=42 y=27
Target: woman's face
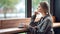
x=40 y=9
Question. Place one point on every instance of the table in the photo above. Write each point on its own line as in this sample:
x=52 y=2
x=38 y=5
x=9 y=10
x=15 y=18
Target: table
x=12 y=30
x=17 y=30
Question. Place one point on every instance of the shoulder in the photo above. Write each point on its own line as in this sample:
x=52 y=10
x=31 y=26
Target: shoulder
x=47 y=19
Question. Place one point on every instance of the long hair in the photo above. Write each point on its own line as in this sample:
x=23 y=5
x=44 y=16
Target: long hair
x=45 y=5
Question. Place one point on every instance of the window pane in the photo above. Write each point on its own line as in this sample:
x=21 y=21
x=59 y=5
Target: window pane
x=13 y=9
x=1 y=13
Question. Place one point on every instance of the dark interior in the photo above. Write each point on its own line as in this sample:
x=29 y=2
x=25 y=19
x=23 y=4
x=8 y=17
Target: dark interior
x=56 y=10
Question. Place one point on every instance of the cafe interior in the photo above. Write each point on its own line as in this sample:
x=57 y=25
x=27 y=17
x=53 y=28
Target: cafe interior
x=15 y=13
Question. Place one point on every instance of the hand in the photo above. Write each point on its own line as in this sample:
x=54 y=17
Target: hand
x=35 y=26
x=26 y=26
x=35 y=13
x=23 y=25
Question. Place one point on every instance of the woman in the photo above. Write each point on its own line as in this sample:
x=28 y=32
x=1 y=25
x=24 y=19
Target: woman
x=44 y=25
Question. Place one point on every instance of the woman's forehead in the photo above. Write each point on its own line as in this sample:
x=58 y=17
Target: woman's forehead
x=38 y=4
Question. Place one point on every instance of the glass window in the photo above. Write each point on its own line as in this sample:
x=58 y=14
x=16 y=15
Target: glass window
x=12 y=9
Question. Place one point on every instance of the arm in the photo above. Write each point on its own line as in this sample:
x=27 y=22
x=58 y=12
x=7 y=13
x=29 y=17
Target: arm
x=56 y=24
x=32 y=20
x=32 y=23
x=33 y=17
x=42 y=28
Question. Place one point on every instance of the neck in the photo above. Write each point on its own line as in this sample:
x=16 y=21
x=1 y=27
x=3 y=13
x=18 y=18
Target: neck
x=44 y=14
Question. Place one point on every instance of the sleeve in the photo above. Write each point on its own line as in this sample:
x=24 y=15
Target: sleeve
x=32 y=23
x=33 y=18
x=46 y=24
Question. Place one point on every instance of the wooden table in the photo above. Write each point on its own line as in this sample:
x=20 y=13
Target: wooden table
x=17 y=30
x=12 y=30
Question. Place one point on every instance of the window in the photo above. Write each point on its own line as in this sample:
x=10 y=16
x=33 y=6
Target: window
x=17 y=11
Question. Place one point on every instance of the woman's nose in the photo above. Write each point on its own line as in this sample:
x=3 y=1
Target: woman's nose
x=39 y=8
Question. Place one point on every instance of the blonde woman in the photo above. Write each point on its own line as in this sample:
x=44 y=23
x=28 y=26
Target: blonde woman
x=44 y=25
